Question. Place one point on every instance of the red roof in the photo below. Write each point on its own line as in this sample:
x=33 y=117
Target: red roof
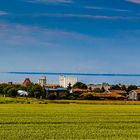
x=26 y=82
x=108 y=95
x=117 y=91
x=105 y=95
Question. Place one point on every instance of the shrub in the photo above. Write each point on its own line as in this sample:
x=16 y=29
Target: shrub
x=12 y=92
x=80 y=85
x=52 y=97
x=89 y=97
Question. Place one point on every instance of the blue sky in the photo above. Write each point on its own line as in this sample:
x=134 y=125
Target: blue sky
x=90 y=36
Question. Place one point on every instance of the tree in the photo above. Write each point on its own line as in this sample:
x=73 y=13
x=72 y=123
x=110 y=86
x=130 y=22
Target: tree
x=2 y=86
x=37 y=94
x=103 y=89
x=52 y=97
x=123 y=87
x=131 y=87
x=89 y=97
x=5 y=90
x=80 y=85
x=115 y=87
x=36 y=90
x=69 y=86
x=90 y=88
x=30 y=90
x=97 y=90
x=12 y=92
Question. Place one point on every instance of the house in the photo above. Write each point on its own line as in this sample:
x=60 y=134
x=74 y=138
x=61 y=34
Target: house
x=134 y=95
x=105 y=96
x=53 y=86
x=26 y=82
x=100 y=86
x=110 y=96
x=59 y=92
x=121 y=92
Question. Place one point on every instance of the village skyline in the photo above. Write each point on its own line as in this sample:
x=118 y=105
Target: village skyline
x=75 y=36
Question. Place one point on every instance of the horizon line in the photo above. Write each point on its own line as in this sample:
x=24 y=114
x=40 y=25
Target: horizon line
x=76 y=74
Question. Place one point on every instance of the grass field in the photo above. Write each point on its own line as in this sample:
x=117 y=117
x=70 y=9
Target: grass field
x=69 y=121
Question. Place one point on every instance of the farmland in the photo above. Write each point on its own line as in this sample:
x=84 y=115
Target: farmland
x=69 y=121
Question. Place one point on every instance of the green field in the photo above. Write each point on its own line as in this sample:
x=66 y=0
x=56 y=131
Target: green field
x=69 y=121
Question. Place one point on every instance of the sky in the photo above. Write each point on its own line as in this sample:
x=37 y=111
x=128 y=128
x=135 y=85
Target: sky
x=88 y=36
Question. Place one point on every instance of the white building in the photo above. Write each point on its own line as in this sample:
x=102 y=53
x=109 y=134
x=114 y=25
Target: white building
x=134 y=95
x=42 y=81
x=65 y=81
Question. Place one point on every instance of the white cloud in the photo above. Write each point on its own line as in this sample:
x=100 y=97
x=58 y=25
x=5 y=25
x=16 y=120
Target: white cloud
x=3 y=13
x=86 y=16
x=134 y=1
x=16 y=34
x=50 y=1
x=108 y=9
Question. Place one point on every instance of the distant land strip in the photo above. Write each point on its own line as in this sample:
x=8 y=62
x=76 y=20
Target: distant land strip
x=74 y=74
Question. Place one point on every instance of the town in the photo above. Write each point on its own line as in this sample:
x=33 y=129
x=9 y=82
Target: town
x=69 y=88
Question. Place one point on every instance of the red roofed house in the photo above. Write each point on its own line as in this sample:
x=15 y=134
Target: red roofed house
x=26 y=82
x=111 y=96
x=105 y=96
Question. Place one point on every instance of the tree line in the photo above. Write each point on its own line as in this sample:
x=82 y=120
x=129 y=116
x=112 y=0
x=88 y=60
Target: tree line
x=34 y=90
x=37 y=91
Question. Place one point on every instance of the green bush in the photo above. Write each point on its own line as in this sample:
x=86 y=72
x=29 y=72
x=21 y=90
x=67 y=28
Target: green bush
x=80 y=85
x=12 y=92
x=52 y=97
